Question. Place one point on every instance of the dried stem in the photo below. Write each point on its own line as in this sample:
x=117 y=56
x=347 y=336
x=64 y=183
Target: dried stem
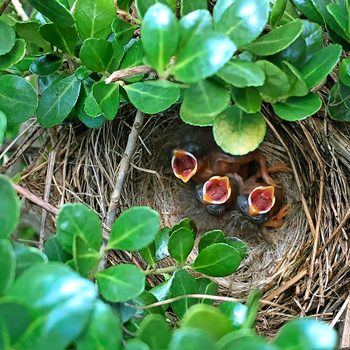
x=19 y=9
x=4 y=6
x=127 y=73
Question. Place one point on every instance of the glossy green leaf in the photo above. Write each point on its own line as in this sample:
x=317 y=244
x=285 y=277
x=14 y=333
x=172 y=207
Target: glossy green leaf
x=277 y=12
x=338 y=105
x=123 y=31
x=217 y=260
x=237 y=132
x=204 y=55
x=18 y=99
x=144 y=299
x=211 y=237
x=149 y=254
x=240 y=245
x=308 y=9
x=91 y=107
x=54 y=251
x=181 y=244
x=242 y=73
x=340 y=15
x=277 y=40
x=82 y=73
x=56 y=295
x=85 y=258
x=143 y=5
x=276 y=84
x=57 y=101
x=14 y=56
x=236 y=312
x=46 y=65
x=9 y=207
x=27 y=257
x=191 y=339
x=121 y=282
x=203 y=101
x=134 y=229
x=153 y=325
x=253 y=303
x=55 y=11
x=153 y=96
x=161 y=242
x=107 y=97
x=188 y=6
x=306 y=334
x=96 y=54
x=136 y=344
x=296 y=81
x=183 y=283
x=208 y=287
x=133 y=57
x=7 y=266
x=209 y=319
x=290 y=14
x=313 y=36
x=103 y=331
x=252 y=342
x=244 y=20
x=29 y=31
x=8 y=38
x=63 y=38
x=160 y=35
x=321 y=64
x=161 y=291
x=3 y=126
x=220 y=7
x=185 y=222
x=94 y=18
x=117 y=55
x=298 y=108
x=78 y=220
x=248 y=99
x=344 y=71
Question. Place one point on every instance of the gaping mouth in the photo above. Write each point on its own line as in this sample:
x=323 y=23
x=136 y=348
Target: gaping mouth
x=184 y=165
x=261 y=200
x=217 y=190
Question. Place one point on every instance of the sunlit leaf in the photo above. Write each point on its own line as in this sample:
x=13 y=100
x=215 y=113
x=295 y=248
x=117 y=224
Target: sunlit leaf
x=13 y=56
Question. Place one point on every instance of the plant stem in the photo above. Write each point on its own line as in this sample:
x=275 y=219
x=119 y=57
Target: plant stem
x=161 y=270
x=127 y=73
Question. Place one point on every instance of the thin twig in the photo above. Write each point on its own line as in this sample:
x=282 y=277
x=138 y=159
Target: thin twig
x=4 y=6
x=19 y=9
x=128 y=72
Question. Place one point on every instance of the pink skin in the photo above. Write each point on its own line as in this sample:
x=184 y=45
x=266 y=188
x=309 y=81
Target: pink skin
x=261 y=200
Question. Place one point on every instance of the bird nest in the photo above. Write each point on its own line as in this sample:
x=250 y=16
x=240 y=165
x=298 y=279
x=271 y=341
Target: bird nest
x=301 y=268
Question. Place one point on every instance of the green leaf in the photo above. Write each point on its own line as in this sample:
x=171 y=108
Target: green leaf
x=225 y=343
x=120 y=283
x=136 y=344
x=204 y=55
x=144 y=299
x=18 y=99
x=78 y=220
x=344 y=71
x=340 y=15
x=161 y=242
x=134 y=56
x=29 y=31
x=57 y=101
x=220 y=7
x=161 y=291
x=306 y=334
x=9 y=207
x=27 y=257
x=149 y=254
x=107 y=97
x=7 y=266
x=183 y=283
x=240 y=245
x=242 y=73
x=277 y=40
x=54 y=251
x=247 y=99
x=217 y=260
x=244 y=20
x=153 y=325
x=277 y=12
x=321 y=64
x=338 y=105
x=8 y=38
x=185 y=222
x=46 y=65
x=63 y=38
x=252 y=342
x=211 y=237
x=103 y=331
x=208 y=287
x=181 y=244
x=188 y=6
x=134 y=229
x=203 y=101
x=124 y=31
x=85 y=258
x=253 y=303
x=276 y=85
x=143 y=5
x=298 y=108
x=191 y=339
x=14 y=56
x=308 y=9
x=207 y=318
x=237 y=132
x=236 y=312
x=152 y=96
x=3 y=126
x=313 y=35
x=56 y=295
x=96 y=54
x=160 y=35
x=94 y=18
x=296 y=81
x=91 y=107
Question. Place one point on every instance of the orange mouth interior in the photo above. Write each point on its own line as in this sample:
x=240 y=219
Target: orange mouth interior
x=184 y=165
x=217 y=190
x=262 y=199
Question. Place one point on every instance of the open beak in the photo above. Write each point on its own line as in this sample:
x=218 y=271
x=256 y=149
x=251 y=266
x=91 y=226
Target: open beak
x=217 y=190
x=261 y=200
x=184 y=165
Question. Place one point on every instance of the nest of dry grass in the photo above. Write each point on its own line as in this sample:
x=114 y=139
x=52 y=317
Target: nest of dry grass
x=302 y=268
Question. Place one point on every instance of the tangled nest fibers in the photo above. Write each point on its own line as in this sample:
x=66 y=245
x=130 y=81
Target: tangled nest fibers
x=302 y=268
